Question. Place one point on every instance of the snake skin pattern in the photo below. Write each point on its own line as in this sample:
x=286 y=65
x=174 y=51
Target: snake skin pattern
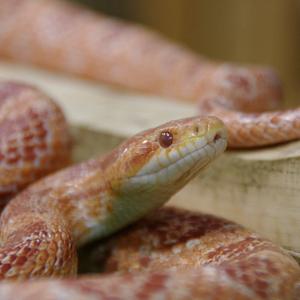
x=61 y=36
x=177 y=254
x=41 y=227
x=171 y=254
x=237 y=262
x=34 y=139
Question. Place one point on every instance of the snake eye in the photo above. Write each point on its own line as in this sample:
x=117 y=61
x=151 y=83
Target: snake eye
x=166 y=139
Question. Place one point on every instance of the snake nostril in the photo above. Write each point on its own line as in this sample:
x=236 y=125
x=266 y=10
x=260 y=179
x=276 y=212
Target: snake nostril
x=196 y=130
x=217 y=137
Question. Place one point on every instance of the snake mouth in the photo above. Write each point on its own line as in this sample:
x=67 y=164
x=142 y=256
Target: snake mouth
x=184 y=160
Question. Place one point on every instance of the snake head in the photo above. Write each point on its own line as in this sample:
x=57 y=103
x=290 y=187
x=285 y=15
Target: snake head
x=146 y=170
x=159 y=161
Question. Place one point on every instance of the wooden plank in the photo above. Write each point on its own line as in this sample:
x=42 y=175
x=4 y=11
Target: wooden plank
x=256 y=188
x=98 y=106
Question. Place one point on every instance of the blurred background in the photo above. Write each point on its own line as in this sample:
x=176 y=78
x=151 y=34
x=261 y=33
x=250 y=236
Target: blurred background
x=246 y=31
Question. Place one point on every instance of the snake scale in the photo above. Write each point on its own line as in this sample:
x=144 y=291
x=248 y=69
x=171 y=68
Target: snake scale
x=171 y=253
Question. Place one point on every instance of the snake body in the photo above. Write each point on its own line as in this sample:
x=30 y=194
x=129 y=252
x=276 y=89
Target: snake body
x=170 y=255
x=34 y=139
x=41 y=226
x=177 y=254
x=62 y=36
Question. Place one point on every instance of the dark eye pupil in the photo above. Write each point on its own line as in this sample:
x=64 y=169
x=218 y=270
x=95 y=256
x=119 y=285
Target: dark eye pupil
x=166 y=139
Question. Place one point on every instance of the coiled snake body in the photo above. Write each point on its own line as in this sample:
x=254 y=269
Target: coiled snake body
x=34 y=139
x=170 y=255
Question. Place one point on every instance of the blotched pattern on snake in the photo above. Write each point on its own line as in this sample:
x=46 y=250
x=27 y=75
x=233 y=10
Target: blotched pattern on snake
x=34 y=140
x=170 y=255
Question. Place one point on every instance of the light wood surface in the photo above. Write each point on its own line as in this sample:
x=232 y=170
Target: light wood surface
x=98 y=106
x=259 y=189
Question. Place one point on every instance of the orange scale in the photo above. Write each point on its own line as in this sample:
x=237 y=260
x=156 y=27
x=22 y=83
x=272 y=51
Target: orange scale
x=21 y=260
x=261 y=284
x=5 y=267
x=231 y=272
x=12 y=159
x=12 y=148
x=246 y=279
x=33 y=114
x=262 y=294
x=42 y=133
x=29 y=157
x=26 y=250
x=28 y=137
x=1 y=156
x=39 y=124
x=12 y=258
x=42 y=146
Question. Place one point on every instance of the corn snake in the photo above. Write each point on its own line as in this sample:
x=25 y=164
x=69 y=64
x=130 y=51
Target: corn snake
x=217 y=83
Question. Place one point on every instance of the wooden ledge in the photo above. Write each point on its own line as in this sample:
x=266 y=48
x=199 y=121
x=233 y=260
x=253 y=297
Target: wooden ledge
x=259 y=189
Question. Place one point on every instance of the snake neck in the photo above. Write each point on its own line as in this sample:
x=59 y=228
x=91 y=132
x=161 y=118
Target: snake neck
x=95 y=202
